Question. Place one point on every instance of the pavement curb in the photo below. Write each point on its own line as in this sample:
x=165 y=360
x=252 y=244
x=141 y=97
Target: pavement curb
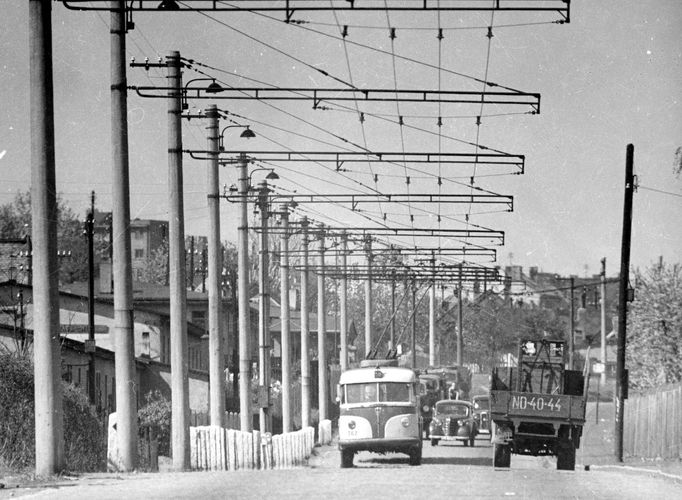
x=641 y=470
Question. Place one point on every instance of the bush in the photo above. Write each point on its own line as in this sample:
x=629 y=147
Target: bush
x=17 y=420
x=156 y=415
x=84 y=436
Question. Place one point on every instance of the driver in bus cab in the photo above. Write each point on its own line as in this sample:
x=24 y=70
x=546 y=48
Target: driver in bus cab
x=370 y=393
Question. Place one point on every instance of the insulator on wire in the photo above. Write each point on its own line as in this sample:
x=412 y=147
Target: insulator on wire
x=344 y=33
x=392 y=35
x=440 y=33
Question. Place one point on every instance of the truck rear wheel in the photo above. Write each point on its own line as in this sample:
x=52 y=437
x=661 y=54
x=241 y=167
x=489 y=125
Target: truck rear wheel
x=416 y=456
x=347 y=459
x=565 y=457
x=501 y=455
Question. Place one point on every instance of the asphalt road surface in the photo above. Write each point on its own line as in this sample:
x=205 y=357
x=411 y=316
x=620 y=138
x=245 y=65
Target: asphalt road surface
x=449 y=470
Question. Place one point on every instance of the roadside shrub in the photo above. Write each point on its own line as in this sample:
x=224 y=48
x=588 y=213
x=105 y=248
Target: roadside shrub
x=156 y=415
x=84 y=437
x=17 y=450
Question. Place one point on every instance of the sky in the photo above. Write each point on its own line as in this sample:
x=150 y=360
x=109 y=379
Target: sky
x=610 y=77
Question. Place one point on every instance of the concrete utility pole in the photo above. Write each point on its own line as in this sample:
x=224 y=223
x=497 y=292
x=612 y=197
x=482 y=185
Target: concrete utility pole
x=285 y=320
x=305 y=331
x=432 y=315
x=571 y=327
x=413 y=330
x=321 y=336
x=90 y=345
x=264 y=311
x=124 y=332
x=368 y=297
x=178 y=281
x=49 y=429
x=216 y=359
x=391 y=341
x=343 y=302
x=460 y=320
x=602 y=275
x=621 y=373
x=245 y=418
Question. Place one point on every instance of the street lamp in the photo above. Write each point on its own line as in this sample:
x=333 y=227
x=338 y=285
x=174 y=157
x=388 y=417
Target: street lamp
x=246 y=134
x=213 y=88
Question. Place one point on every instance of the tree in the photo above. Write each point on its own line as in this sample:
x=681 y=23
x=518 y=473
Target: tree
x=15 y=222
x=655 y=327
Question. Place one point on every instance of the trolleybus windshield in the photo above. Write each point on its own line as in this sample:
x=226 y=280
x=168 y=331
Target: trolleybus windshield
x=379 y=392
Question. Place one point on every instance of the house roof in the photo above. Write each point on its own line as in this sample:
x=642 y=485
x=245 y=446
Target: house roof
x=332 y=323
x=141 y=292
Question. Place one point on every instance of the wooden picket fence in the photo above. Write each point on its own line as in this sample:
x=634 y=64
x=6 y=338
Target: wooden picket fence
x=653 y=424
x=199 y=419
x=217 y=448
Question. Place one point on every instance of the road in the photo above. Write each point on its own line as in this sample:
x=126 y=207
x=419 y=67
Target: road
x=448 y=471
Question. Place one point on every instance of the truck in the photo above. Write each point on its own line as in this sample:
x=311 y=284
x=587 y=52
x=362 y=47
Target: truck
x=538 y=407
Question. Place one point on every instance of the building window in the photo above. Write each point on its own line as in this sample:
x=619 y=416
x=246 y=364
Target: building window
x=139 y=253
x=199 y=318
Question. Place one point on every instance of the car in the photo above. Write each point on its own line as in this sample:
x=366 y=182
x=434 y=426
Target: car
x=482 y=413
x=453 y=420
x=430 y=391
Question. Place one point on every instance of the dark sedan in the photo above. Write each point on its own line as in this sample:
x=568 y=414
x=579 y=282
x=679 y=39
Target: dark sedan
x=453 y=420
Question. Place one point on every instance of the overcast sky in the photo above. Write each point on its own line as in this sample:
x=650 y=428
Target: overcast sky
x=610 y=77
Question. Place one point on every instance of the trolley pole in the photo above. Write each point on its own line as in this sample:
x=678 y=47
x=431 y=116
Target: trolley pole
x=621 y=374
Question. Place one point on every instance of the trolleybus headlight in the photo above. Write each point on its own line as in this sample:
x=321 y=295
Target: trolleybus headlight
x=351 y=424
x=405 y=421
x=460 y=422
x=425 y=408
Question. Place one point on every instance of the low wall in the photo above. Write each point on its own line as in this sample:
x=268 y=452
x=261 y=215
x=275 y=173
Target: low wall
x=218 y=448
